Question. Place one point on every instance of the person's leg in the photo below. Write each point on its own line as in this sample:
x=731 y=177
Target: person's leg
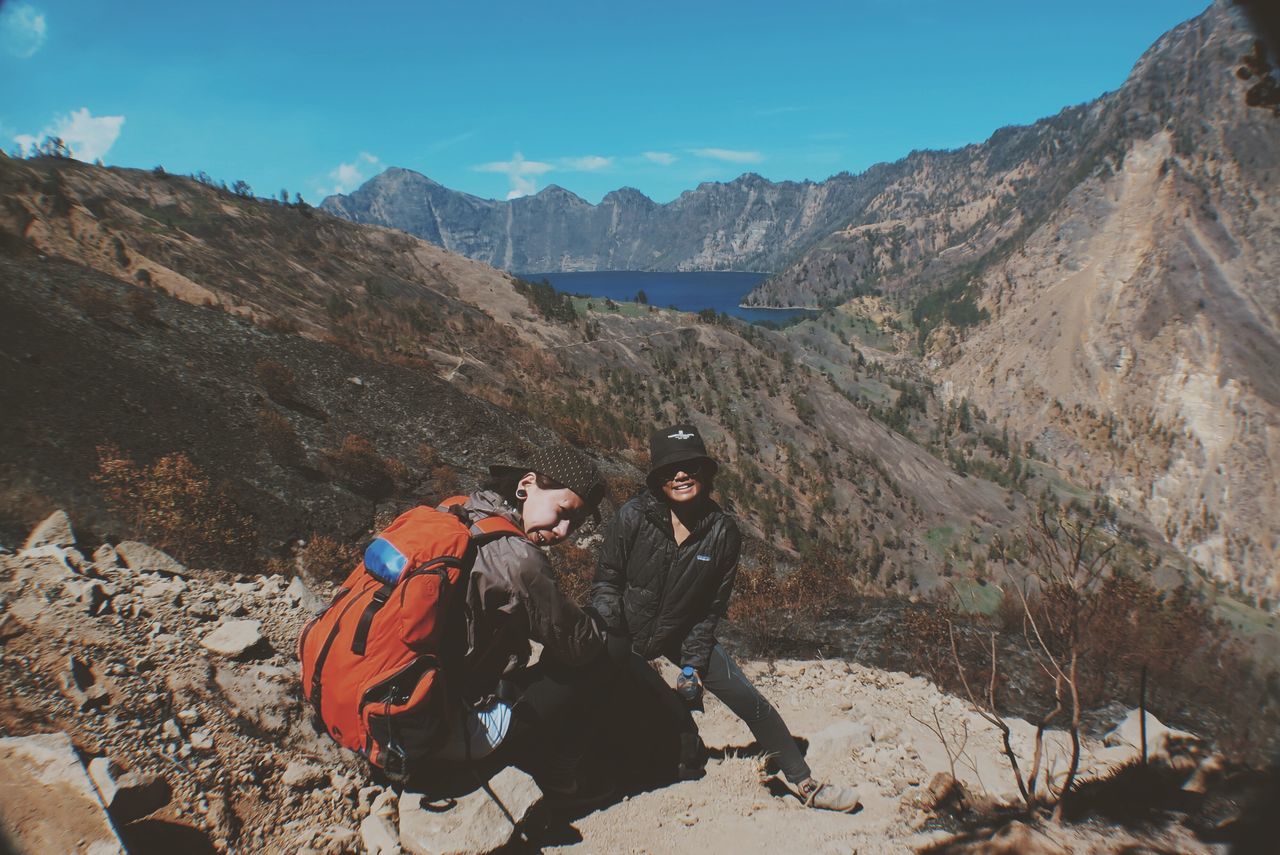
x=725 y=680
x=555 y=718
x=677 y=720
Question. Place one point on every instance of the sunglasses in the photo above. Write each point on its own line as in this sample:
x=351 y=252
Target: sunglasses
x=693 y=468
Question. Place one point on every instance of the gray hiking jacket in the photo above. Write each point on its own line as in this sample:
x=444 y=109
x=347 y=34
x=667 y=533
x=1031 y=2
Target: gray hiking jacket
x=512 y=597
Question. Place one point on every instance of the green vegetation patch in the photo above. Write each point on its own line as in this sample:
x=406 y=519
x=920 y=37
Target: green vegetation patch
x=954 y=304
x=604 y=304
x=940 y=538
x=550 y=303
x=977 y=597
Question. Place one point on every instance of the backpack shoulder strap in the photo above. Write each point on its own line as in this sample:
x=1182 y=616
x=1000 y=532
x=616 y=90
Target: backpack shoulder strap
x=484 y=529
x=492 y=527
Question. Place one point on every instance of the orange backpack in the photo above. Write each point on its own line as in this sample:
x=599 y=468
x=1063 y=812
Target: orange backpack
x=373 y=663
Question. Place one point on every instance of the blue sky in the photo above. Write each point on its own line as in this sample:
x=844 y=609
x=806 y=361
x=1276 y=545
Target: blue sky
x=503 y=98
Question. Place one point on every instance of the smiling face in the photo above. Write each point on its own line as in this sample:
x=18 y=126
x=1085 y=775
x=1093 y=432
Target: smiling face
x=682 y=482
x=550 y=513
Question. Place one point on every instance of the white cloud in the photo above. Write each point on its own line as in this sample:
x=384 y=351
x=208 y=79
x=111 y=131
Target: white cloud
x=519 y=171
x=661 y=157
x=349 y=176
x=729 y=155
x=590 y=163
x=89 y=137
x=22 y=29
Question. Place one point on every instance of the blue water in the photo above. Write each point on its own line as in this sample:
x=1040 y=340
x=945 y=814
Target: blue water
x=689 y=292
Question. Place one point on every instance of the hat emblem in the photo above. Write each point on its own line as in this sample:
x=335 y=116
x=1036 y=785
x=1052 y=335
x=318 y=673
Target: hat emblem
x=679 y=435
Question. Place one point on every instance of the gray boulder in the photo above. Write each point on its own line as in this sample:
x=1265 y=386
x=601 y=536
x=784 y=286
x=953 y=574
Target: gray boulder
x=47 y=801
x=838 y=741
x=478 y=822
x=299 y=775
x=234 y=638
x=81 y=685
x=127 y=795
x=261 y=694
x=141 y=558
x=54 y=531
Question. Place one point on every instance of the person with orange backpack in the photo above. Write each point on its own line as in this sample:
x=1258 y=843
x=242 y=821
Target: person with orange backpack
x=421 y=659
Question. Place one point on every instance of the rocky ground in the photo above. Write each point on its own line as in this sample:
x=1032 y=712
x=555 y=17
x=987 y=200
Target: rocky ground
x=179 y=693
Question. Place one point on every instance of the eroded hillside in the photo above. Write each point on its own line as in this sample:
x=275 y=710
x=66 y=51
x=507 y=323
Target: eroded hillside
x=279 y=346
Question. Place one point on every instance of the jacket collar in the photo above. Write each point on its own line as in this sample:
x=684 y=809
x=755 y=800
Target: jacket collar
x=658 y=512
x=487 y=503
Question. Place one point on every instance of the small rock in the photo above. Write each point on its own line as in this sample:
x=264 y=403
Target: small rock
x=190 y=716
x=127 y=796
x=233 y=607
x=80 y=685
x=105 y=558
x=1210 y=769
x=202 y=740
x=365 y=797
x=234 y=638
x=1161 y=740
x=91 y=596
x=259 y=693
x=54 y=531
x=303 y=776
x=378 y=833
x=141 y=558
x=1018 y=838
x=300 y=595
x=942 y=790
x=838 y=741
x=170 y=730
x=475 y=823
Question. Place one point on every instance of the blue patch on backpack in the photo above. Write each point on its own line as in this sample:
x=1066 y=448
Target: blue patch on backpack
x=704 y=557
x=384 y=562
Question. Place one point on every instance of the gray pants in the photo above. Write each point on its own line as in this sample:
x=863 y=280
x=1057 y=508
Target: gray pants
x=725 y=680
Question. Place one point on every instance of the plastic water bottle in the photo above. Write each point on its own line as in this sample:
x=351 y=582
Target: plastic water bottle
x=688 y=686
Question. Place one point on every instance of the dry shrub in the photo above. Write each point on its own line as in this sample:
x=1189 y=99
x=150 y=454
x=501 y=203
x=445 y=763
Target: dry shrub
x=622 y=487
x=97 y=305
x=172 y=504
x=142 y=305
x=768 y=605
x=1196 y=673
x=280 y=437
x=358 y=466
x=575 y=569
x=284 y=324
x=277 y=379
x=325 y=559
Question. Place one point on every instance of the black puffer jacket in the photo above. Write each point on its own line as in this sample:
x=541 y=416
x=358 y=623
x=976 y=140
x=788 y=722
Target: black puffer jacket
x=669 y=598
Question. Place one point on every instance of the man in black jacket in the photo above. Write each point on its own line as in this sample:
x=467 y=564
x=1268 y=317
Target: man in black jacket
x=662 y=584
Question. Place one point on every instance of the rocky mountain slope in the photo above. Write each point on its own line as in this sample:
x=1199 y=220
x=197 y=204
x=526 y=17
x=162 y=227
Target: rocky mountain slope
x=1135 y=333
x=180 y=695
x=1103 y=283
x=746 y=224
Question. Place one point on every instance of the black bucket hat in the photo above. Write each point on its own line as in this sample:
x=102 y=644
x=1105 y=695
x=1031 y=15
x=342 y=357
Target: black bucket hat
x=565 y=466
x=677 y=444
